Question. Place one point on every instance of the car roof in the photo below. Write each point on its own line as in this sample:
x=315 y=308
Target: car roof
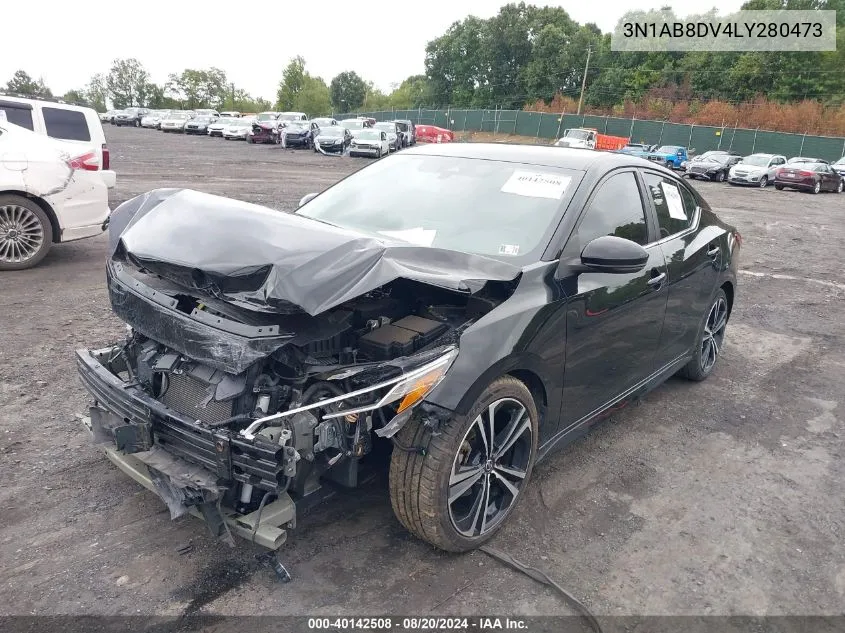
x=562 y=157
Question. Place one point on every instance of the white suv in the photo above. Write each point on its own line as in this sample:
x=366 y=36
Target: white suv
x=69 y=123
x=50 y=191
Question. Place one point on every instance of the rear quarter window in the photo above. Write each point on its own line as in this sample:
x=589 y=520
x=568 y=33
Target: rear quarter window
x=69 y=125
x=19 y=116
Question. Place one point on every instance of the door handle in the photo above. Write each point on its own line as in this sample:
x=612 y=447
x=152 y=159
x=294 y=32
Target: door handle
x=656 y=281
x=713 y=251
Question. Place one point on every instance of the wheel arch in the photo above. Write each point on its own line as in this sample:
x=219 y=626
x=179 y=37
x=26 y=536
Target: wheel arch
x=527 y=368
x=728 y=287
x=45 y=206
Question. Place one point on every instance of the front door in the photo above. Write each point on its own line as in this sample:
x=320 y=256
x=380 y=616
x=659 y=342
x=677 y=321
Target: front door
x=613 y=321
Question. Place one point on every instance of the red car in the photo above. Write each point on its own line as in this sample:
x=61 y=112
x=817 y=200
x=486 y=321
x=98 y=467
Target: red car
x=434 y=134
x=813 y=177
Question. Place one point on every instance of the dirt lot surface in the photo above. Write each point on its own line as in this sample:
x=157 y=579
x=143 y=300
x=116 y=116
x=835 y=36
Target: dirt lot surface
x=724 y=497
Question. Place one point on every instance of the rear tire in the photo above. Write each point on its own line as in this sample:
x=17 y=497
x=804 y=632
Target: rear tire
x=465 y=449
x=26 y=233
x=840 y=187
x=720 y=177
x=711 y=338
x=817 y=187
x=779 y=187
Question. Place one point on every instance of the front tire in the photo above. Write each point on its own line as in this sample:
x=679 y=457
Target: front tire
x=460 y=492
x=817 y=187
x=840 y=187
x=25 y=233
x=764 y=181
x=720 y=177
x=711 y=338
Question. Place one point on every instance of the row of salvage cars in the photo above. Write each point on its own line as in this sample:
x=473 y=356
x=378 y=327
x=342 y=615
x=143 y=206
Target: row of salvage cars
x=361 y=136
x=802 y=173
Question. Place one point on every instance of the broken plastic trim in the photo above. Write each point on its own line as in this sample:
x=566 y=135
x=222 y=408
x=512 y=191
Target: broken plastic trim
x=442 y=363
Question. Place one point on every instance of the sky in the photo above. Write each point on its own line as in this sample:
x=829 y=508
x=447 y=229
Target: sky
x=382 y=41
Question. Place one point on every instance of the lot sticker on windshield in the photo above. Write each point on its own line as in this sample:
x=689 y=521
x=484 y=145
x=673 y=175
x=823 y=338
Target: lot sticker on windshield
x=536 y=184
x=509 y=249
x=673 y=201
x=418 y=236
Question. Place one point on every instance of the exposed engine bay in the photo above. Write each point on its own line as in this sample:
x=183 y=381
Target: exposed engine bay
x=316 y=404
x=237 y=394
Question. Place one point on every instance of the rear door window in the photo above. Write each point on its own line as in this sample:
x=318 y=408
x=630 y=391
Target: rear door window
x=674 y=204
x=18 y=116
x=69 y=125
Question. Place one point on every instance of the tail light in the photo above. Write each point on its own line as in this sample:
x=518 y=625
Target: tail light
x=85 y=162
x=106 y=156
x=805 y=173
x=779 y=172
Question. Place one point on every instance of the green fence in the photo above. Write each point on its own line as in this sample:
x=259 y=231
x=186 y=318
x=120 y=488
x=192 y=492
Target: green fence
x=543 y=125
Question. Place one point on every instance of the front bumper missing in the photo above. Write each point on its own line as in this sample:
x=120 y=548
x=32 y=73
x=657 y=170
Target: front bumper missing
x=270 y=533
x=188 y=466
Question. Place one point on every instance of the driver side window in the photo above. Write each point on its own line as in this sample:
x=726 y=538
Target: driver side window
x=616 y=209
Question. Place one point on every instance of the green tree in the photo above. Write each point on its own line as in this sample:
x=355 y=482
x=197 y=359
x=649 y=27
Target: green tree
x=75 y=97
x=313 y=97
x=21 y=83
x=97 y=92
x=293 y=81
x=204 y=88
x=348 y=91
x=127 y=82
x=414 y=92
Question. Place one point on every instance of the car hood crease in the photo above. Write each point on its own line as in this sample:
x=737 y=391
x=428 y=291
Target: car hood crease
x=268 y=260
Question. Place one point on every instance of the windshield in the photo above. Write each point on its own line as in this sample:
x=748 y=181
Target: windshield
x=487 y=207
x=668 y=149
x=353 y=124
x=267 y=116
x=225 y=121
x=204 y=118
x=296 y=125
x=370 y=135
x=322 y=122
x=757 y=160
x=332 y=131
x=841 y=161
x=387 y=127
x=579 y=134
x=402 y=126
x=241 y=123
x=178 y=115
x=290 y=117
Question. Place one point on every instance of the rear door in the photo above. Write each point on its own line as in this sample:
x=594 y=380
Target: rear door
x=613 y=321
x=692 y=255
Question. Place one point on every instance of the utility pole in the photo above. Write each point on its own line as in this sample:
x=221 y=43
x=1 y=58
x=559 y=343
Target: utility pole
x=233 y=95
x=584 y=78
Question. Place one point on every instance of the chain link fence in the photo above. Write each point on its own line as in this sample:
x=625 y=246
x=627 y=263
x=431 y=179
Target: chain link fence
x=544 y=125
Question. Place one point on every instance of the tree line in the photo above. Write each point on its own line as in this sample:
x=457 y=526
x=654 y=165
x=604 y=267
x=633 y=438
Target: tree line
x=128 y=84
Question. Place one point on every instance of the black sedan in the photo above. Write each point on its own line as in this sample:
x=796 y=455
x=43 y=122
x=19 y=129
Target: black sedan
x=334 y=139
x=298 y=134
x=512 y=298
x=812 y=177
x=199 y=124
x=712 y=167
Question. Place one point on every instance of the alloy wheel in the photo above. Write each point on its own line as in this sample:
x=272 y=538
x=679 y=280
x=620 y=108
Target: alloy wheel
x=840 y=187
x=490 y=467
x=21 y=234
x=764 y=181
x=714 y=334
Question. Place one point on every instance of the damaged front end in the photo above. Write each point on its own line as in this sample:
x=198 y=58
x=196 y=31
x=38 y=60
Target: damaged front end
x=239 y=390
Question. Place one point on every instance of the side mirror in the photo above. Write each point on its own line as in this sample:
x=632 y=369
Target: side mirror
x=607 y=254
x=307 y=198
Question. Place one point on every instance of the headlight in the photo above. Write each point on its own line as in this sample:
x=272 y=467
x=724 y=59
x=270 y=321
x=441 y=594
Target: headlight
x=419 y=382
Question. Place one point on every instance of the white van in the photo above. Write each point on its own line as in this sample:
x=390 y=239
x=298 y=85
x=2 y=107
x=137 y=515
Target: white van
x=69 y=123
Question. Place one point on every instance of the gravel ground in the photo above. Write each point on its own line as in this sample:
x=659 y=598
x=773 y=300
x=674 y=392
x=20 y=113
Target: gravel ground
x=720 y=498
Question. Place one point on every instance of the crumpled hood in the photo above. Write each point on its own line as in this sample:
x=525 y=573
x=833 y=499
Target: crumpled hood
x=272 y=261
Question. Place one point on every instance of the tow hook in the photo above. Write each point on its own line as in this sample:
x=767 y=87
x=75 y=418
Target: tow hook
x=272 y=561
